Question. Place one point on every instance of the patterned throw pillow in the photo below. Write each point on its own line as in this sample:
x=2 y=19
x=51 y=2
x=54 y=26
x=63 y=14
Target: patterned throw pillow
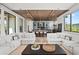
x=15 y=37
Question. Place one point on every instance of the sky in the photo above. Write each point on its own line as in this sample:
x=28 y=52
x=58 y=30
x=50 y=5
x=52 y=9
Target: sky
x=75 y=18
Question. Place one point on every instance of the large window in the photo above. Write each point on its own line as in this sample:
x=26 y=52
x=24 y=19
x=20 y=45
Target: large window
x=21 y=25
x=72 y=22
x=10 y=23
x=67 y=23
x=6 y=22
x=75 y=21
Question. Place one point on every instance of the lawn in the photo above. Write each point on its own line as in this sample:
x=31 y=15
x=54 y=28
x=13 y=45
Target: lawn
x=74 y=27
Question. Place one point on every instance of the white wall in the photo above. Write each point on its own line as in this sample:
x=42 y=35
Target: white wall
x=60 y=20
x=29 y=24
x=50 y=24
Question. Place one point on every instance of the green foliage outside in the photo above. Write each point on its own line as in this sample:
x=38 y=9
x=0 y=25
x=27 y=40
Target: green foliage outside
x=74 y=27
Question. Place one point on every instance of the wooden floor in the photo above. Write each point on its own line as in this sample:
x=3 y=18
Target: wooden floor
x=41 y=40
x=18 y=50
x=38 y=40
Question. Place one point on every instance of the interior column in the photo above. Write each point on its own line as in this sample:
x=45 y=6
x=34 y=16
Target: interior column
x=2 y=22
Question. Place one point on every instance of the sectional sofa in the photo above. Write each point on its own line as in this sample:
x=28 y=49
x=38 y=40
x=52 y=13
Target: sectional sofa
x=9 y=43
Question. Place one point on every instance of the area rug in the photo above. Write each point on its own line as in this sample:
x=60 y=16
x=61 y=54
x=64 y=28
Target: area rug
x=29 y=51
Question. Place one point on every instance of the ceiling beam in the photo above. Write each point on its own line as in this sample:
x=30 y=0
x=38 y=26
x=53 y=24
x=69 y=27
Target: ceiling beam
x=38 y=14
x=62 y=13
x=49 y=13
x=26 y=13
x=30 y=13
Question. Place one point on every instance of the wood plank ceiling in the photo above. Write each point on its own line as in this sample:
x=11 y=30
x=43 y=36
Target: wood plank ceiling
x=38 y=15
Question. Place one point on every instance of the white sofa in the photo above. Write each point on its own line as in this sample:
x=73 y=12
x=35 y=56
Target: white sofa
x=27 y=38
x=54 y=38
x=75 y=50
x=7 y=44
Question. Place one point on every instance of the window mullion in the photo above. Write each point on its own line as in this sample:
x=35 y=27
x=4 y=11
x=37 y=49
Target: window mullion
x=70 y=22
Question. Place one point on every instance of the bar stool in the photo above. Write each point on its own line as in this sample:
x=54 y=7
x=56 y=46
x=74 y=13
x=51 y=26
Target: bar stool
x=45 y=33
x=41 y=34
x=37 y=34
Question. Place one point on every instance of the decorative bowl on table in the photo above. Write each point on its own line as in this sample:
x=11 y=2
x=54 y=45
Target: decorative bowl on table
x=35 y=47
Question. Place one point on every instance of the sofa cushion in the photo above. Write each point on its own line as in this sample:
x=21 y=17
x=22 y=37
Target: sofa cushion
x=2 y=42
x=8 y=38
x=5 y=50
